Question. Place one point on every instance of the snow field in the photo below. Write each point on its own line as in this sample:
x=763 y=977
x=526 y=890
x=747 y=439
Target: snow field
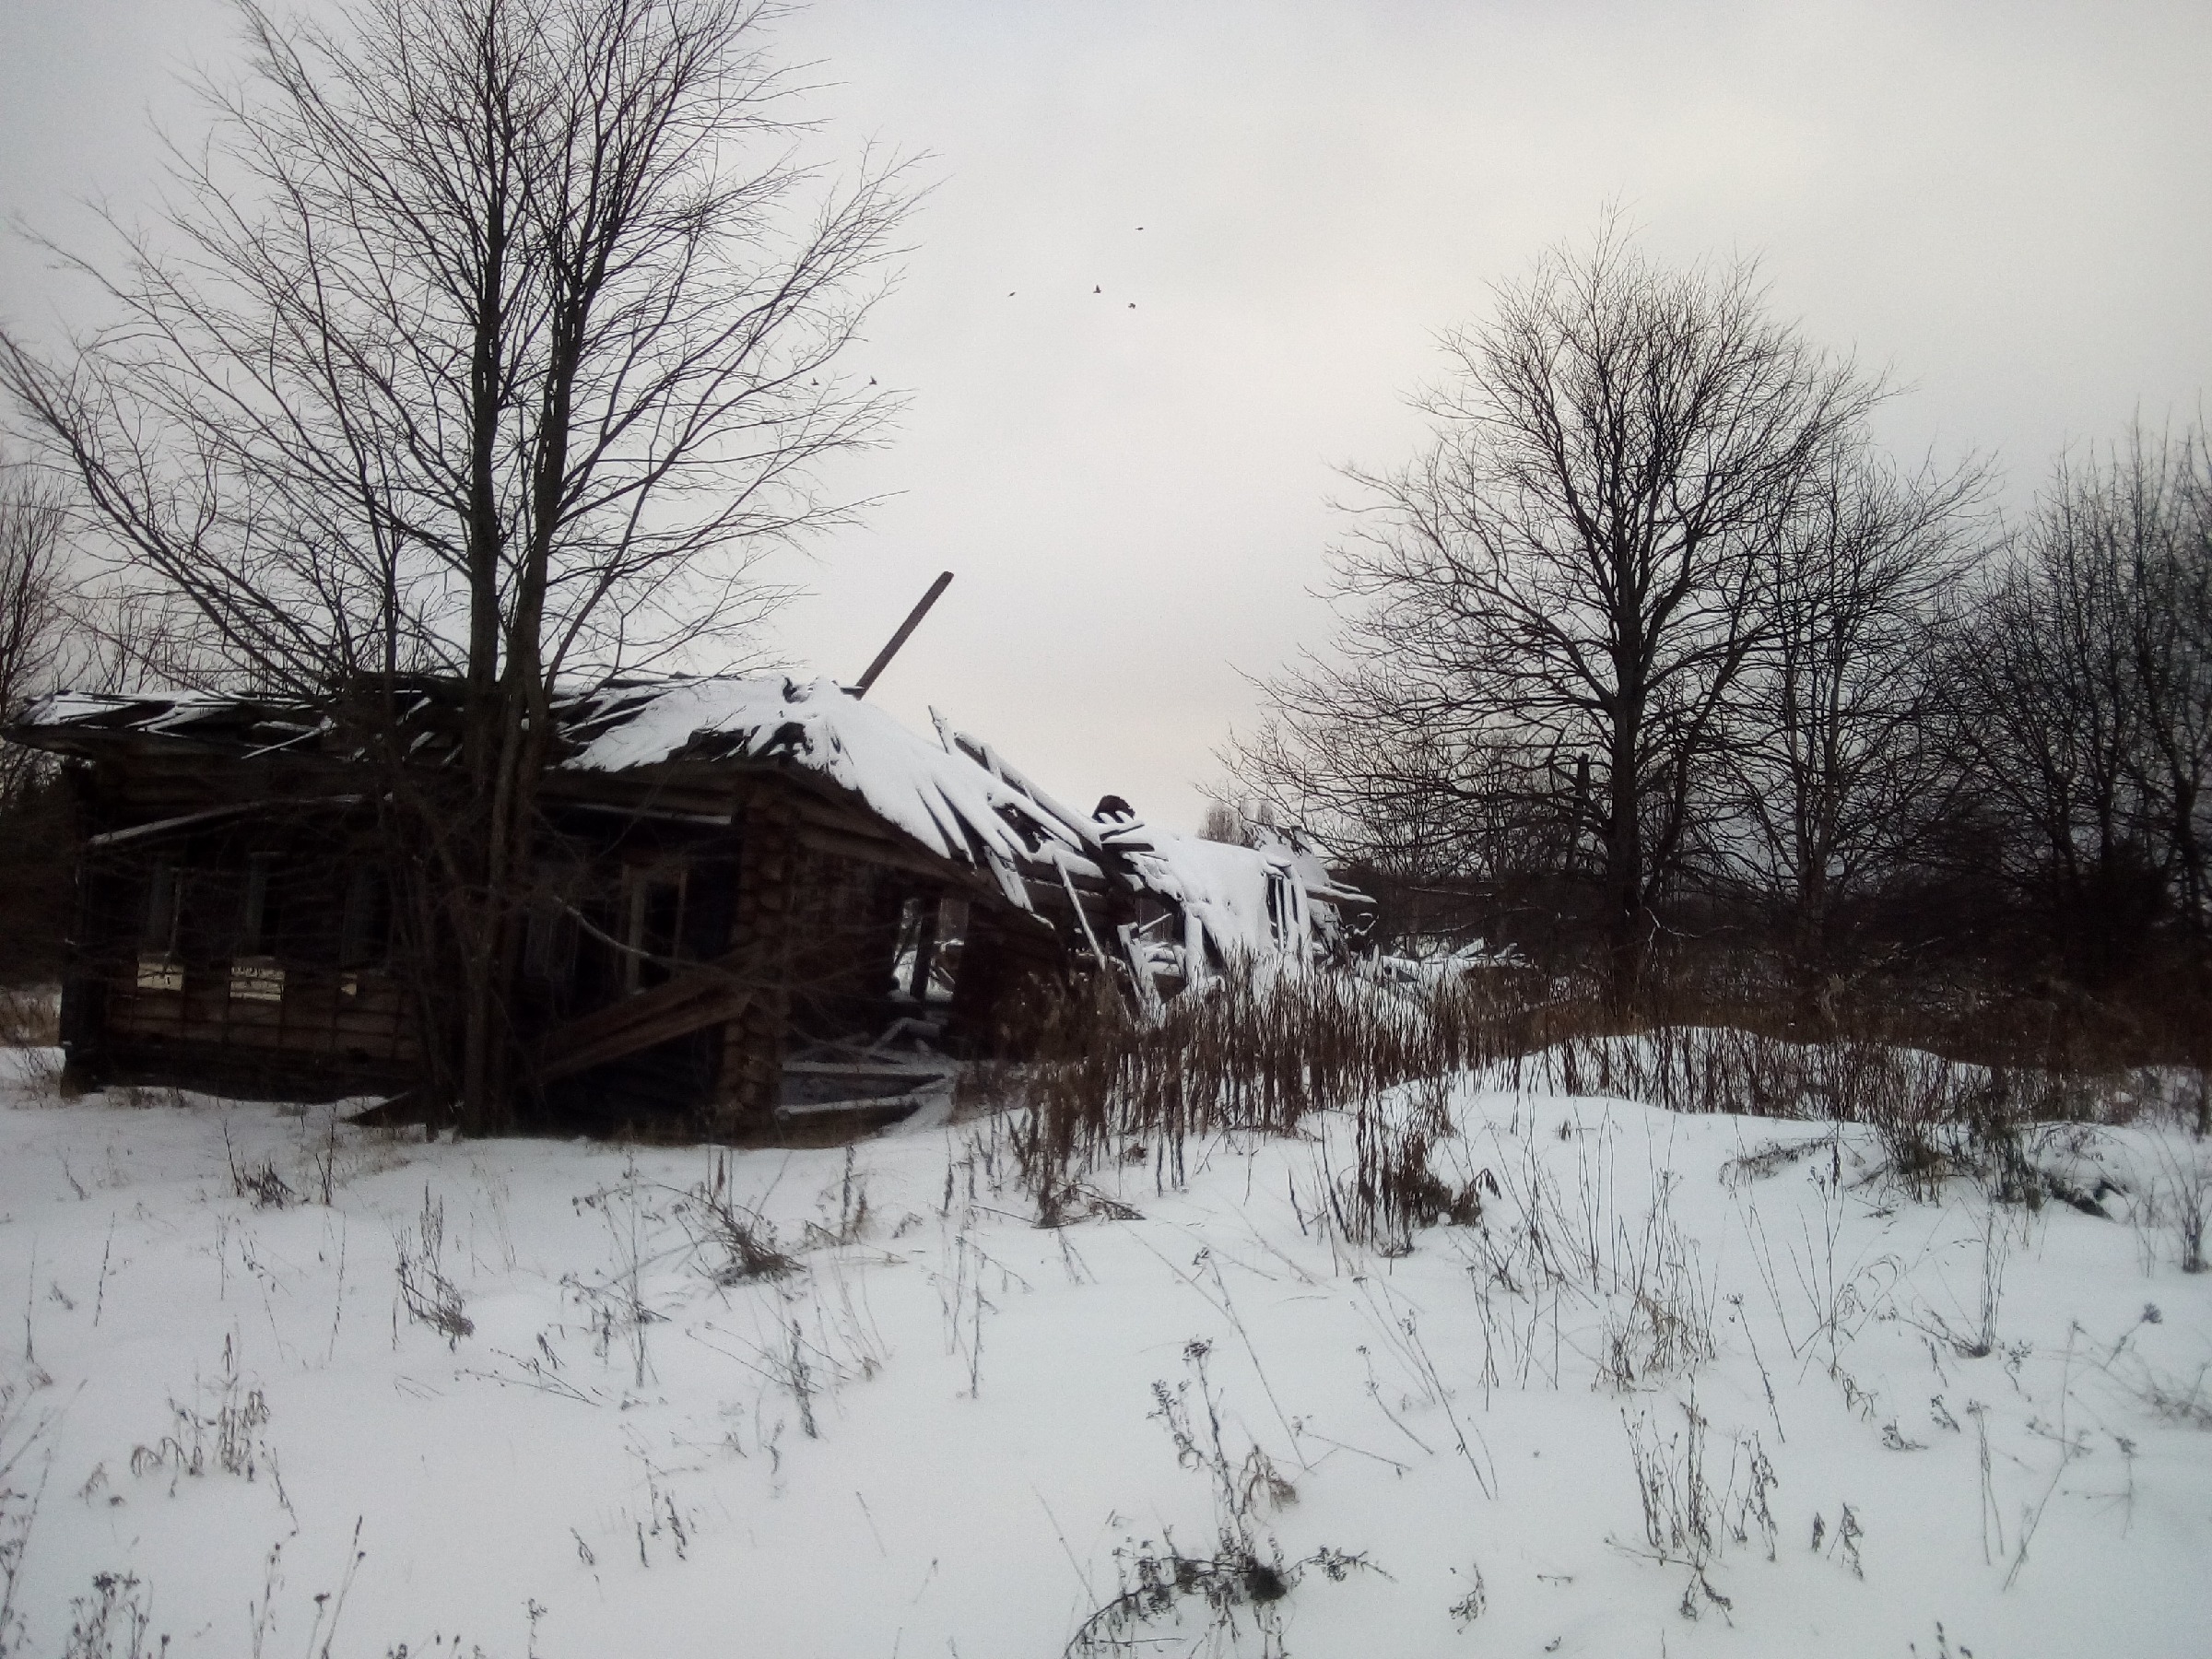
x=1674 y=1347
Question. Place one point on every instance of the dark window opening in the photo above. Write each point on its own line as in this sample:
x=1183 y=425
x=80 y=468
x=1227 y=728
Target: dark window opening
x=164 y=890
x=1282 y=910
x=945 y=963
x=548 y=943
x=258 y=916
x=654 y=930
x=365 y=924
x=210 y=907
x=927 y=959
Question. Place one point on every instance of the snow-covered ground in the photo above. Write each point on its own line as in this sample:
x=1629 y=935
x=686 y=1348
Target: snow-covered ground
x=1696 y=1385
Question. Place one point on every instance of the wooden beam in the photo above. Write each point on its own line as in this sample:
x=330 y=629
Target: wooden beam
x=914 y=621
x=866 y=849
x=706 y=995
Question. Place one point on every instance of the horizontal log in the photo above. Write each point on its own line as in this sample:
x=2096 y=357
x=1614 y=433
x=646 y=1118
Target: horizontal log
x=126 y=1023
x=708 y=797
x=365 y=1025
x=839 y=843
x=146 y=1011
x=839 y=813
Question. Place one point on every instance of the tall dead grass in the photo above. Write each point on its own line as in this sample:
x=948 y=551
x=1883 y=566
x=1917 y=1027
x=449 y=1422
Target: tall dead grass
x=1248 y=1052
x=1261 y=1053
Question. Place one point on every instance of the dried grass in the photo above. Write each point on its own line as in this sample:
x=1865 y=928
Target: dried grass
x=1263 y=1053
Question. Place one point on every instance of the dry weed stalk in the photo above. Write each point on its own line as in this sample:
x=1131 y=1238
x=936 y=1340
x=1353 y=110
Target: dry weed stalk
x=265 y=1188
x=1392 y=1190
x=743 y=1238
x=114 y=1621
x=1246 y=1578
x=2184 y=1192
x=227 y=1438
x=20 y=1435
x=431 y=1297
x=1687 y=1520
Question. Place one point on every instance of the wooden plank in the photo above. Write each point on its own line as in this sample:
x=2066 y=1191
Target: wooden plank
x=156 y=1010
x=130 y=1021
x=838 y=843
x=712 y=796
x=707 y=996
x=366 y=1022
x=842 y=811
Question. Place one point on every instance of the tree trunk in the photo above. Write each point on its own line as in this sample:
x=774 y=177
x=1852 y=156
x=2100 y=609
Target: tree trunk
x=1625 y=932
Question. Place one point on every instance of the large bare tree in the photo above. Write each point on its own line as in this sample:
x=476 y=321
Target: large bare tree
x=2085 y=693
x=1546 y=611
x=494 y=339
x=1839 y=757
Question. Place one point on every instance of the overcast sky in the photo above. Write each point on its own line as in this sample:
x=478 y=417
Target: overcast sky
x=2009 y=206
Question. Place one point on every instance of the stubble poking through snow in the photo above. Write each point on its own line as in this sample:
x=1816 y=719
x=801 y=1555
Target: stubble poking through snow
x=1690 y=1380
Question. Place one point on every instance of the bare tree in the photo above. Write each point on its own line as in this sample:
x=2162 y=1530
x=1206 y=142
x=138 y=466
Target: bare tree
x=38 y=645
x=1548 y=611
x=2088 y=680
x=493 y=339
x=2158 y=509
x=1839 y=757
x=1226 y=822
x=33 y=621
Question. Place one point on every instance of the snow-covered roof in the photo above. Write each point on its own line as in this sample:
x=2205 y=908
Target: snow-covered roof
x=211 y=717
x=949 y=796
x=168 y=711
x=955 y=797
x=1252 y=901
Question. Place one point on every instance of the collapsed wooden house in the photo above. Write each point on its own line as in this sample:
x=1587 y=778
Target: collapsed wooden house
x=753 y=899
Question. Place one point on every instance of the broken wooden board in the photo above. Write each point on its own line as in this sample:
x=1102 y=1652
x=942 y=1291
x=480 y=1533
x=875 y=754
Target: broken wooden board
x=708 y=996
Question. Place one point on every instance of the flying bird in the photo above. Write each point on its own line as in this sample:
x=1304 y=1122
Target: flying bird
x=1098 y=290
x=1131 y=305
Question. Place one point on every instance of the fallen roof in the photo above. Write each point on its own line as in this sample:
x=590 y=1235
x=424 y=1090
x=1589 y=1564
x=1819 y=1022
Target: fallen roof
x=957 y=797
x=952 y=795
x=949 y=796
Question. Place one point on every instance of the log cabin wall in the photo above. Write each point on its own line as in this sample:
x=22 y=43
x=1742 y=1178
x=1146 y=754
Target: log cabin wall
x=272 y=975
x=250 y=951
x=813 y=935
x=844 y=939
x=1006 y=959
x=761 y=936
x=626 y=902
